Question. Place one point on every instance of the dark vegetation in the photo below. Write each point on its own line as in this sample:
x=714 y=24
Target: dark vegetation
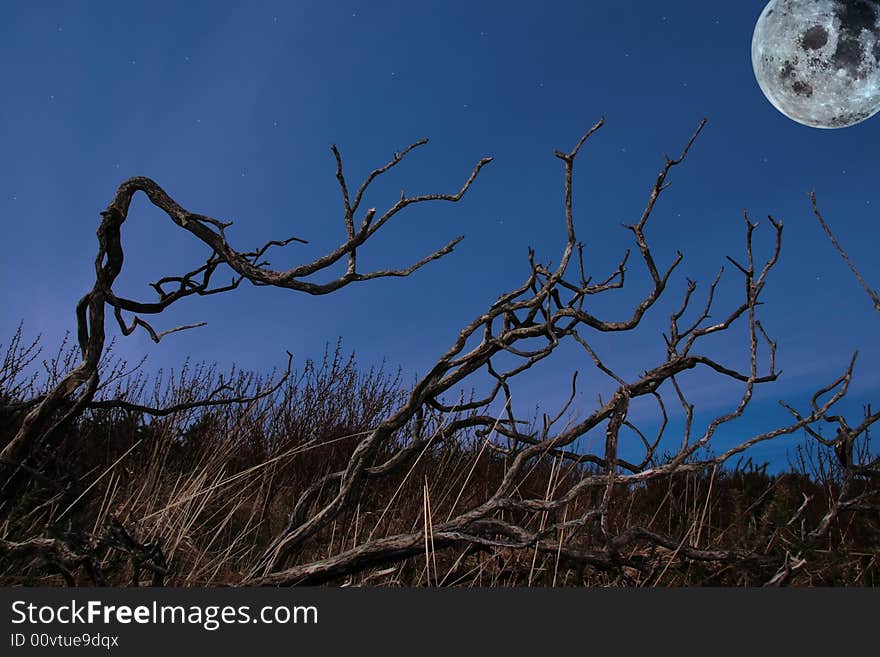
x=332 y=474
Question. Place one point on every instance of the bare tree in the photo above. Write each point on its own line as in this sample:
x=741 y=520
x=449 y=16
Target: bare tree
x=577 y=518
x=851 y=442
x=75 y=392
x=529 y=324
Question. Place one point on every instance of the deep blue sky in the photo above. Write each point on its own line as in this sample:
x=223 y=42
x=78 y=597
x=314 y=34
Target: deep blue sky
x=232 y=108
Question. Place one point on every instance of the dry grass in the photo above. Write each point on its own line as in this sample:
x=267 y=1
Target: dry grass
x=208 y=490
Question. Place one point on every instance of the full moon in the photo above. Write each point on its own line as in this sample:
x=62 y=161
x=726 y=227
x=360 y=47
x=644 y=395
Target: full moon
x=818 y=61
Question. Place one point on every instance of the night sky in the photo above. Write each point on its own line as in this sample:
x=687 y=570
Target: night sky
x=233 y=107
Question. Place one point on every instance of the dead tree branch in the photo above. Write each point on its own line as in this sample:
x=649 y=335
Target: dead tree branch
x=76 y=390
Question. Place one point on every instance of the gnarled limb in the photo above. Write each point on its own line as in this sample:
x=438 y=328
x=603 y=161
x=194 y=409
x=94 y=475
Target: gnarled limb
x=76 y=390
